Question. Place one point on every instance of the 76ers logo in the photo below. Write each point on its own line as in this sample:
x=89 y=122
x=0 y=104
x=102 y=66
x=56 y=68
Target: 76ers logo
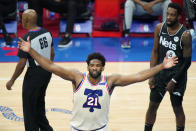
x=92 y=99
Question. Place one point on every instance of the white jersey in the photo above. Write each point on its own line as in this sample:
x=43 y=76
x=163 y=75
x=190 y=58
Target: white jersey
x=91 y=105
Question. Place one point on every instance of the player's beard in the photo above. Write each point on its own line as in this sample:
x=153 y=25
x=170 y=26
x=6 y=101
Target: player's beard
x=95 y=76
x=172 y=23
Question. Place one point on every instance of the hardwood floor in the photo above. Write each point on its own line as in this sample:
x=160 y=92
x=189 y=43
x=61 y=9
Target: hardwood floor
x=127 y=109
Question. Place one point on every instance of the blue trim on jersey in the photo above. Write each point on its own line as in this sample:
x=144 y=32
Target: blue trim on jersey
x=80 y=83
x=108 y=89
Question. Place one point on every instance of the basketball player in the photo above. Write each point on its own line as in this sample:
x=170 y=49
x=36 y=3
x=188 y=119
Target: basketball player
x=173 y=39
x=36 y=78
x=92 y=90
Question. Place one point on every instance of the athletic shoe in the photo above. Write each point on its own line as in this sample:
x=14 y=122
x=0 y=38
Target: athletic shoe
x=65 y=42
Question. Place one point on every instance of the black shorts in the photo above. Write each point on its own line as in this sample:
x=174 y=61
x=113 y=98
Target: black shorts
x=157 y=95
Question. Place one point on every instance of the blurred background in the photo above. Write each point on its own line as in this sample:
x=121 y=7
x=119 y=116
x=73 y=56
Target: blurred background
x=84 y=26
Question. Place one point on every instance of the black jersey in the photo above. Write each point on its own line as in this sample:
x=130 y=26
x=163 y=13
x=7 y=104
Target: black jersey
x=171 y=45
x=41 y=41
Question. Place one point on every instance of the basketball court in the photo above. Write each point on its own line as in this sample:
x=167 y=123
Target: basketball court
x=128 y=104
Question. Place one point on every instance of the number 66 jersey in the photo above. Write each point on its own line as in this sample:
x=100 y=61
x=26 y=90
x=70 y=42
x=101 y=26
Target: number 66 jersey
x=41 y=41
x=91 y=105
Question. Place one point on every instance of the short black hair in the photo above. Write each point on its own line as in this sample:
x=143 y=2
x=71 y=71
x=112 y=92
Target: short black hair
x=176 y=6
x=96 y=55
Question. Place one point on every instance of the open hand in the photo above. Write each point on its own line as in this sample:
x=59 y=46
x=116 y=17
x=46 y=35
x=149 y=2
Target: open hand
x=169 y=62
x=24 y=45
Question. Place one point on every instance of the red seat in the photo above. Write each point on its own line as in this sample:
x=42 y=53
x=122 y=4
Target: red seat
x=106 y=11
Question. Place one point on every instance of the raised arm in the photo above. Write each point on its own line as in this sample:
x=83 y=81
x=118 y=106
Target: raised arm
x=123 y=80
x=71 y=75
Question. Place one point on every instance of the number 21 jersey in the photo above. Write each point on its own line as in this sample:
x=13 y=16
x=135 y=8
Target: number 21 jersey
x=91 y=105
